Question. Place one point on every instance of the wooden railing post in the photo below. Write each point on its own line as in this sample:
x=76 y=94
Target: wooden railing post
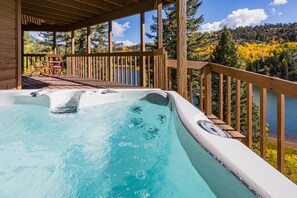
x=263 y=123
x=142 y=49
x=73 y=61
x=221 y=86
x=89 y=60
x=201 y=91
x=249 y=132
x=165 y=69
x=191 y=85
x=280 y=132
x=228 y=101
x=237 y=119
x=207 y=89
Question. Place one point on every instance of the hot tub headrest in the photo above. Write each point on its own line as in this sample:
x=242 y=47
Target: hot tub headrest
x=159 y=98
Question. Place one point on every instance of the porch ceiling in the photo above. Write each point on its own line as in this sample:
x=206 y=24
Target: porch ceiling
x=67 y=15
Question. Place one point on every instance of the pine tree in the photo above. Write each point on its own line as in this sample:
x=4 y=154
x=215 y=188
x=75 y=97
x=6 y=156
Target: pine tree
x=194 y=38
x=226 y=54
x=46 y=43
x=99 y=39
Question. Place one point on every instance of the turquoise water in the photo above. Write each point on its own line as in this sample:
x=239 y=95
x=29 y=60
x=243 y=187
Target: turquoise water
x=114 y=150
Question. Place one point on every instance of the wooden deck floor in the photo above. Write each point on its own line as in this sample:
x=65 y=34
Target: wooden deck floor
x=66 y=82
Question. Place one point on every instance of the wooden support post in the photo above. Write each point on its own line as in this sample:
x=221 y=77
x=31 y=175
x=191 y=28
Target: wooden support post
x=182 y=50
x=19 y=44
x=263 y=123
x=249 y=132
x=142 y=49
x=160 y=24
x=54 y=42
x=158 y=72
x=73 y=61
x=280 y=132
x=110 y=50
x=22 y=53
x=207 y=91
x=89 y=52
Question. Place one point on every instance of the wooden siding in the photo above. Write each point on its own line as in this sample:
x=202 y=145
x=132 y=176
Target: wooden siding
x=9 y=44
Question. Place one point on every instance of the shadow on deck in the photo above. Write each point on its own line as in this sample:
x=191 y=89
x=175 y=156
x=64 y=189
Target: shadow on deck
x=68 y=82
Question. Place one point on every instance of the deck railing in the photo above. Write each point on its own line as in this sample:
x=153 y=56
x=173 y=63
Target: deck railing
x=208 y=71
x=134 y=68
x=38 y=59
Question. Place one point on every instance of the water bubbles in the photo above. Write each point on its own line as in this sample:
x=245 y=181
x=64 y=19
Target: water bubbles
x=162 y=118
x=148 y=146
x=136 y=109
x=136 y=122
x=142 y=193
x=151 y=133
x=141 y=175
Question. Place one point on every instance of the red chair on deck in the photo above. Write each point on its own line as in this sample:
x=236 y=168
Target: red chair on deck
x=38 y=68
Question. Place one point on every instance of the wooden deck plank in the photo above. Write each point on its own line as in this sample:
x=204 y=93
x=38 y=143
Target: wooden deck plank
x=68 y=82
x=228 y=129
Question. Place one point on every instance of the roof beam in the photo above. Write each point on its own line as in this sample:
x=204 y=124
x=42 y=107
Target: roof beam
x=98 y=4
x=77 y=5
x=119 y=3
x=48 y=19
x=53 y=11
x=46 y=15
x=43 y=28
x=60 y=8
x=120 y=13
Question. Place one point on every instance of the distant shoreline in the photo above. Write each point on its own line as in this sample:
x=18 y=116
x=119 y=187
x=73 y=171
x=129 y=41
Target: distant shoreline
x=289 y=142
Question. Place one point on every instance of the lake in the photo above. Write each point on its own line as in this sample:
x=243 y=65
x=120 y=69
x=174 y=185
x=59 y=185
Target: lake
x=290 y=113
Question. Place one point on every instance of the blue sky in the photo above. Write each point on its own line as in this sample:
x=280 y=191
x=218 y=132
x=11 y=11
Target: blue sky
x=217 y=13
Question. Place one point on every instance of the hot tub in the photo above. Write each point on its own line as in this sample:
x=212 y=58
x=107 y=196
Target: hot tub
x=123 y=143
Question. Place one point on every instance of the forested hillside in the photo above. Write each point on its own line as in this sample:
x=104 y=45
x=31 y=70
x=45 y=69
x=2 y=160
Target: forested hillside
x=267 y=49
x=268 y=33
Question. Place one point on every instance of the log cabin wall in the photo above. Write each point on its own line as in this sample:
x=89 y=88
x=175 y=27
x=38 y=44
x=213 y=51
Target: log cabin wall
x=10 y=39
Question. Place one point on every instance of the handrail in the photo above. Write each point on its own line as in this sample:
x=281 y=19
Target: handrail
x=146 y=53
x=278 y=85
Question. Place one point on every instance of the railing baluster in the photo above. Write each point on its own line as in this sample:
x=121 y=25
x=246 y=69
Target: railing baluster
x=263 y=123
x=228 y=101
x=118 y=69
x=135 y=70
x=207 y=84
x=122 y=70
x=280 y=132
x=106 y=68
x=149 y=71
x=221 y=114
x=191 y=85
x=131 y=71
x=249 y=115
x=201 y=87
x=126 y=72
x=237 y=106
